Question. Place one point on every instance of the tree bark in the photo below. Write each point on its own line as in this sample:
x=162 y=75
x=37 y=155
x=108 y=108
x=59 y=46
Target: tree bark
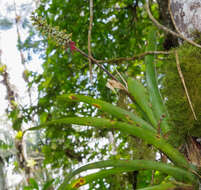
x=187 y=15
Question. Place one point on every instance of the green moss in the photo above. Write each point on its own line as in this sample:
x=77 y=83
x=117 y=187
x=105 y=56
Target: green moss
x=177 y=104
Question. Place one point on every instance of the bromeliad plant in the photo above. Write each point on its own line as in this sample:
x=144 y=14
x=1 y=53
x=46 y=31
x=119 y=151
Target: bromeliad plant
x=153 y=128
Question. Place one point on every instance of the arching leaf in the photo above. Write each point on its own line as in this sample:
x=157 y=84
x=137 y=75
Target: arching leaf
x=115 y=111
x=125 y=166
x=174 y=155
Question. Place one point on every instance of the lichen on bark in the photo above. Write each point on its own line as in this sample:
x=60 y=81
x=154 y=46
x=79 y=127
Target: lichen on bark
x=187 y=15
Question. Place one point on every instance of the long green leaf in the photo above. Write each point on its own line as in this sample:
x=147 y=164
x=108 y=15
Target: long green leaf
x=152 y=84
x=91 y=177
x=138 y=91
x=142 y=133
x=129 y=165
x=115 y=111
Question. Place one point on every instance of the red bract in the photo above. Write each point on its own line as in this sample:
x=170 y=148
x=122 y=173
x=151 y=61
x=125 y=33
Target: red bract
x=72 y=46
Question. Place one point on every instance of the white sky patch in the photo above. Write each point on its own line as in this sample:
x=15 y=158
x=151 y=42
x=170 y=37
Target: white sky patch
x=11 y=55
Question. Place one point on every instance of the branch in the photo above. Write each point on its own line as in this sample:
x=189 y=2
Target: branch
x=97 y=63
x=138 y=56
x=184 y=84
x=172 y=18
x=11 y=95
x=160 y=26
x=89 y=37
